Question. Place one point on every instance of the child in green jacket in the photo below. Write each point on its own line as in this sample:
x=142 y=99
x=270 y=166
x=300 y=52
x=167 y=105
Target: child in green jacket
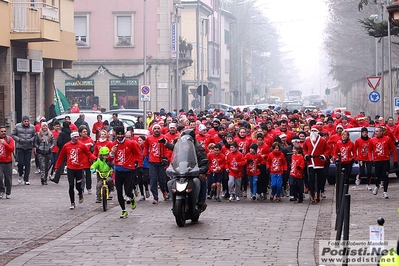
x=103 y=166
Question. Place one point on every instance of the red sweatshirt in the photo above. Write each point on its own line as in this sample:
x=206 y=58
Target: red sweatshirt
x=127 y=153
x=264 y=151
x=380 y=149
x=297 y=160
x=6 y=150
x=252 y=168
x=217 y=163
x=276 y=162
x=77 y=155
x=154 y=148
x=235 y=162
x=363 y=148
x=99 y=144
x=56 y=134
x=89 y=143
x=347 y=150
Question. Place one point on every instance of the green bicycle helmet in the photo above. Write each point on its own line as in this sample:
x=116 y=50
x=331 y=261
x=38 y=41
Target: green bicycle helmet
x=104 y=151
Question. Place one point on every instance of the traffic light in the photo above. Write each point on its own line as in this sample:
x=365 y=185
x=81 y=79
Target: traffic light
x=327 y=91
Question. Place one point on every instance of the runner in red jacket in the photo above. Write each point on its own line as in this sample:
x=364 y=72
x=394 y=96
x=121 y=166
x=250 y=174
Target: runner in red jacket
x=316 y=151
x=235 y=161
x=76 y=154
x=363 y=150
x=382 y=148
x=126 y=155
x=217 y=164
x=347 y=149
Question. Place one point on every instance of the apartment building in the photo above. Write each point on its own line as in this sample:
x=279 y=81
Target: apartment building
x=35 y=39
x=111 y=68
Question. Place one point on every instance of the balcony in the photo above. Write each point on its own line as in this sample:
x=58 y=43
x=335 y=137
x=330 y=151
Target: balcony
x=34 y=22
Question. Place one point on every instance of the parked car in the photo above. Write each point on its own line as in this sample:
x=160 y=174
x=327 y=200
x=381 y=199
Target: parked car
x=354 y=133
x=91 y=118
x=220 y=106
x=134 y=112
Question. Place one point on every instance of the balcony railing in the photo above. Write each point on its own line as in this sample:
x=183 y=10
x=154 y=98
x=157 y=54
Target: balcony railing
x=27 y=16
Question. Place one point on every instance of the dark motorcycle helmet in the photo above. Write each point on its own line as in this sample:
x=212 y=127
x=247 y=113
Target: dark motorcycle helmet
x=189 y=132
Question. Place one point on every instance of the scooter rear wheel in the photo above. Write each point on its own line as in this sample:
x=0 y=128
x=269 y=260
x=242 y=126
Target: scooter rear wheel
x=180 y=214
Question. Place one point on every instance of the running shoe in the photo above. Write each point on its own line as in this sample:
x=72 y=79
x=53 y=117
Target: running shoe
x=124 y=214
x=133 y=204
x=81 y=198
x=375 y=191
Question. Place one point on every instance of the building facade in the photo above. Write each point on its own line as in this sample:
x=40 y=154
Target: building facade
x=35 y=39
x=111 y=40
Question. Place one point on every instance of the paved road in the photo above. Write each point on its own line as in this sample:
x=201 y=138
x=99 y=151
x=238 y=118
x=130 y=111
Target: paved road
x=39 y=229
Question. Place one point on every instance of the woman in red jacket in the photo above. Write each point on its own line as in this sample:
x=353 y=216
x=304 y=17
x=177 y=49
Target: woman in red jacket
x=348 y=152
x=363 y=150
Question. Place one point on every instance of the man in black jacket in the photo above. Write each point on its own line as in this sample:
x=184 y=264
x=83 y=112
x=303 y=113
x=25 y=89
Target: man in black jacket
x=115 y=121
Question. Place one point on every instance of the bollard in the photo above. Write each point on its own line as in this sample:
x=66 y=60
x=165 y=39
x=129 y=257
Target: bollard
x=339 y=192
x=340 y=217
x=337 y=182
x=347 y=206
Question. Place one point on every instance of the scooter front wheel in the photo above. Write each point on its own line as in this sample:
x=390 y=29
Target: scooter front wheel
x=180 y=213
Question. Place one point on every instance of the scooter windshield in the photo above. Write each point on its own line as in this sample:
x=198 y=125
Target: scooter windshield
x=184 y=158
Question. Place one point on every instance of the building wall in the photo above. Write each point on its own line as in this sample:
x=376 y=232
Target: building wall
x=5 y=28
x=29 y=91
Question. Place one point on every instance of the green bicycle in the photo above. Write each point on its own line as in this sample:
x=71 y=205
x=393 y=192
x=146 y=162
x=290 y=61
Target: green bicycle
x=104 y=191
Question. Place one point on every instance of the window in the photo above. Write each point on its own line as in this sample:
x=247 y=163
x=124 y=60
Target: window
x=226 y=37
x=124 y=30
x=81 y=30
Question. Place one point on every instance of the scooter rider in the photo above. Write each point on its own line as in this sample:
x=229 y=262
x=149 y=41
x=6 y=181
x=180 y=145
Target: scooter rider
x=202 y=159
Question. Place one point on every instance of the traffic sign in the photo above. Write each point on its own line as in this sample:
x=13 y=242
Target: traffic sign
x=145 y=93
x=374 y=96
x=396 y=101
x=373 y=81
x=204 y=90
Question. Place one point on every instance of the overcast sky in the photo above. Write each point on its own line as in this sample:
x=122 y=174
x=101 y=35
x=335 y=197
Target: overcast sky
x=300 y=25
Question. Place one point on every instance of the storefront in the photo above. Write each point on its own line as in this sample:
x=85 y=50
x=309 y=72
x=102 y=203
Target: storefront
x=123 y=93
x=80 y=92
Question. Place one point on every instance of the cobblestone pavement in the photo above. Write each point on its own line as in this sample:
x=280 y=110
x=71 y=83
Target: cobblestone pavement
x=39 y=229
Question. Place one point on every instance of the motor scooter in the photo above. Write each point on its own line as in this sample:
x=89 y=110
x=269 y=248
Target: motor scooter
x=185 y=183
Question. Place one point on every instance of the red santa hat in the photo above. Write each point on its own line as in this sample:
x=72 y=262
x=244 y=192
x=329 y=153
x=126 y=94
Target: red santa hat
x=314 y=128
x=339 y=126
x=347 y=113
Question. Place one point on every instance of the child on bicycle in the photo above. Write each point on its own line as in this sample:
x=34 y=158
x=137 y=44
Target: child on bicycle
x=103 y=166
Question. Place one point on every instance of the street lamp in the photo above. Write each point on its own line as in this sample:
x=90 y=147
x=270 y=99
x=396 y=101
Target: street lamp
x=145 y=58
x=177 y=34
x=252 y=67
x=202 y=100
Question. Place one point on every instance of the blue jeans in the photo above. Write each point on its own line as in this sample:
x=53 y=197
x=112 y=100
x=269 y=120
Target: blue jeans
x=23 y=159
x=277 y=182
x=157 y=175
x=253 y=184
